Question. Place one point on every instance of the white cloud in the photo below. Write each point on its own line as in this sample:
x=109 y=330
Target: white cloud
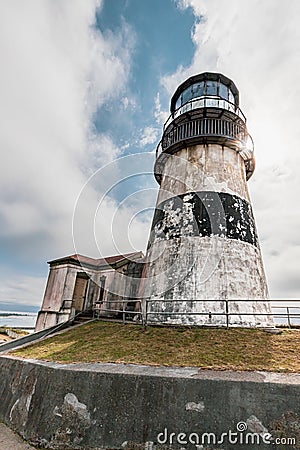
x=57 y=69
x=102 y=150
x=22 y=289
x=129 y=103
x=110 y=212
x=257 y=44
x=160 y=115
x=149 y=136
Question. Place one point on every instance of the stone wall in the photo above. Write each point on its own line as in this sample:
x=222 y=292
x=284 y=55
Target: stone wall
x=112 y=406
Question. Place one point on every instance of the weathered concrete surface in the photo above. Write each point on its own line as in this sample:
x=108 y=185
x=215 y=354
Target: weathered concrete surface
x=74 y=284
x=204 y=168
x=203 y=243
x=11 y=441
x=210 y=268
x=114 y=406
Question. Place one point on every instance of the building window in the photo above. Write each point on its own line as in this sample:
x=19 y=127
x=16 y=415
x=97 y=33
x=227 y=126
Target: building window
x=198 y=89
x=178 y=103
x=231 y=97
x=187 y=95
x=223 y=91
x=205 y=88
x=211 y=87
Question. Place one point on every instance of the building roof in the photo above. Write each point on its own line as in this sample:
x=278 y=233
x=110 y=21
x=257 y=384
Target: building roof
x=112 y=261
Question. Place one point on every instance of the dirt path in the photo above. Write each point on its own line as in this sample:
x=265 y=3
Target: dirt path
x=11 y=441
x=4 y=338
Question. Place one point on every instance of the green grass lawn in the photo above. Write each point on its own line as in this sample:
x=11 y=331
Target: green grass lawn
x=210 y=348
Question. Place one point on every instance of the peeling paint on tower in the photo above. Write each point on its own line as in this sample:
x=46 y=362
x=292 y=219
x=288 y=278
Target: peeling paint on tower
x=203 y=256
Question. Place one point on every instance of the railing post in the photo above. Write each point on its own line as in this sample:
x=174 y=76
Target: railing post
x=146 y=314
x=144 y=303
x=227 y=314
x=288 y=316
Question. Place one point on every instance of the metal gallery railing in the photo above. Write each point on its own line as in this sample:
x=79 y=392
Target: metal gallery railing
x=204 y=127
x=205 y=102
x=284 y=315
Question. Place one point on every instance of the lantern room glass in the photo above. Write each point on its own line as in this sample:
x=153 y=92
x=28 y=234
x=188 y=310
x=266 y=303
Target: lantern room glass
x=207 y=88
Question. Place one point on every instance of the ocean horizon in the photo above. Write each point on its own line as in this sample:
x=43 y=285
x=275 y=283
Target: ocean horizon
x=17 y=319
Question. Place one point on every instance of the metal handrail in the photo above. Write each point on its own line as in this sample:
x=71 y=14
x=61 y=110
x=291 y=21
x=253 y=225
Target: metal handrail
x=205 y=127
x=144 y=312
x=123 y=311
x=206 y=101
x=63 y=324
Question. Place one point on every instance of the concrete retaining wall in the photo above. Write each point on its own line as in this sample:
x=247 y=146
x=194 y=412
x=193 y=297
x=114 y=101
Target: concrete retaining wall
x=112 y=406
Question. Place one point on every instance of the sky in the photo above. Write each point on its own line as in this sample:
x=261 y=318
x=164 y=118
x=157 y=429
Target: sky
x=85 y=87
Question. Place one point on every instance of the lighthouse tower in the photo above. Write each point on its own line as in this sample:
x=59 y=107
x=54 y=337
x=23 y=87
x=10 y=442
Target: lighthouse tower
x=203 y=258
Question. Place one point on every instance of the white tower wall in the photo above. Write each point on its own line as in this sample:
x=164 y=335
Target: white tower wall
x=204 y=265
x=185 y=267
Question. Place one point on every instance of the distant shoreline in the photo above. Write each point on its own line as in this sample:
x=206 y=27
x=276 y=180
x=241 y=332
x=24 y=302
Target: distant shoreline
x=8 y=314
x=17 y=319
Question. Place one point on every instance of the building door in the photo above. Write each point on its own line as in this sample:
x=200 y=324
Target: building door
x=79 y=293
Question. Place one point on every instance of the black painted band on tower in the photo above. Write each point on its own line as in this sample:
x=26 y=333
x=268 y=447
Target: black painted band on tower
x=210 y=214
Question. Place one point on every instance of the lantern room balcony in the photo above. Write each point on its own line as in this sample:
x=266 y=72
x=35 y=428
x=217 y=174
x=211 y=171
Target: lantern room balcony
x=205 y=102
x=206 y=121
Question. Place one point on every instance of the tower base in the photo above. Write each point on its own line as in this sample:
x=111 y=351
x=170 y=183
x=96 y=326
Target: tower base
x=209 y=281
